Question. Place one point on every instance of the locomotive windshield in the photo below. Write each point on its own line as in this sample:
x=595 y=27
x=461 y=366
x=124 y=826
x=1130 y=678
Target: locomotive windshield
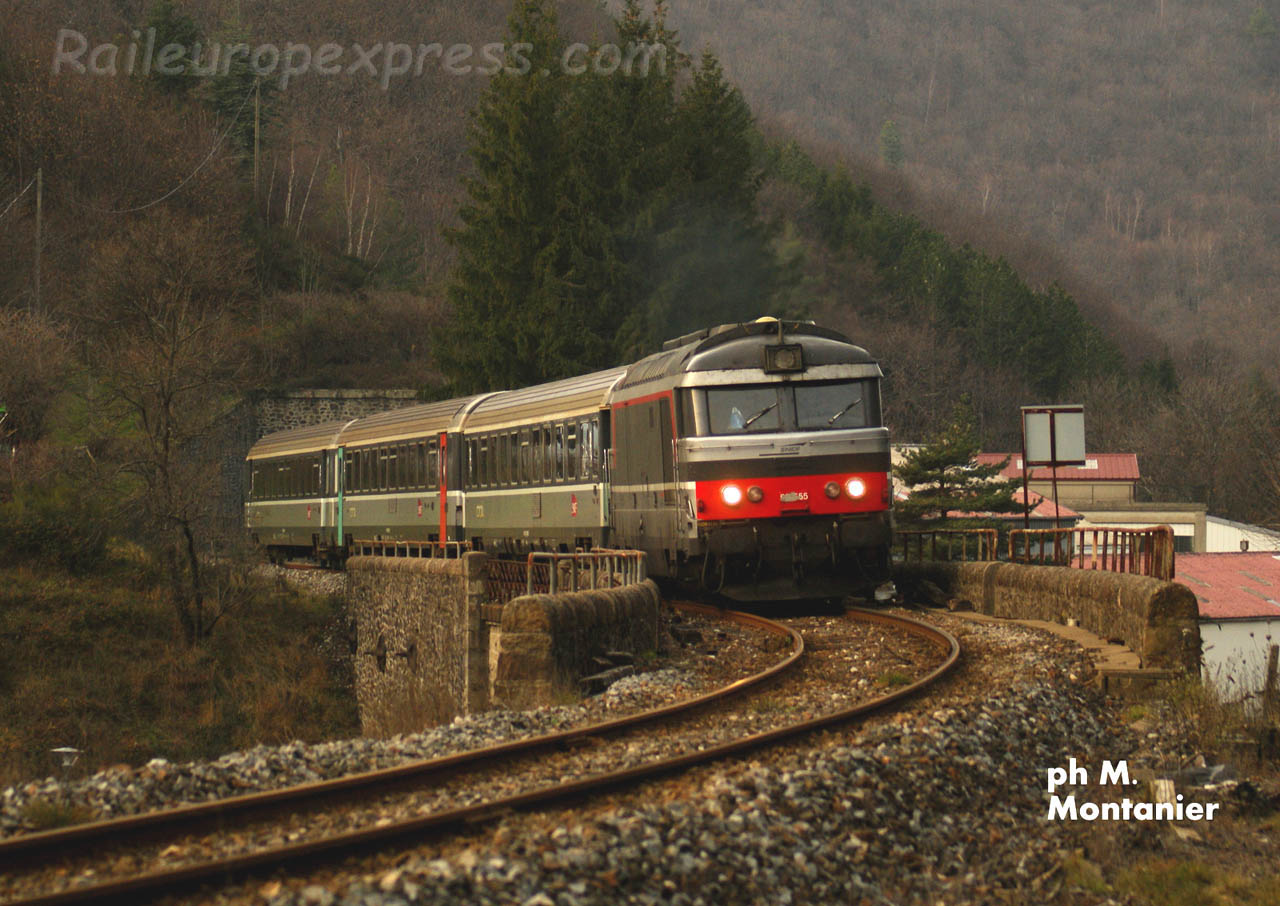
x=758 y=409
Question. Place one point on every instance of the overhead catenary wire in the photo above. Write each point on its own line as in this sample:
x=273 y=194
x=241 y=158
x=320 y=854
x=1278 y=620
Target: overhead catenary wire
x=167 y=195
x=18 y=197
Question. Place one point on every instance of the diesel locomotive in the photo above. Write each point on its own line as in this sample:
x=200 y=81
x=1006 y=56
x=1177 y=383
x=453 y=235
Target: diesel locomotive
x=749 y=460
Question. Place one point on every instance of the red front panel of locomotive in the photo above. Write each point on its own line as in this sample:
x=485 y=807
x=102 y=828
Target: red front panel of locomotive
x=819 y=495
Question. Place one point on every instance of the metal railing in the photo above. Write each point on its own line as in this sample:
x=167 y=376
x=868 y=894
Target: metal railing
x=958 y=544
x=376 y=547
x=1143 y=552
x=544 y=572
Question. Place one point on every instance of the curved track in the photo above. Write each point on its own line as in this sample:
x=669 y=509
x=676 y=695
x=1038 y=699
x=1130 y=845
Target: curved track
x=84 y=839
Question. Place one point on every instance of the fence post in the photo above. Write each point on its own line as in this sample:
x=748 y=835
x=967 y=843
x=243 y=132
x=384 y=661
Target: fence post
x=1269 y=691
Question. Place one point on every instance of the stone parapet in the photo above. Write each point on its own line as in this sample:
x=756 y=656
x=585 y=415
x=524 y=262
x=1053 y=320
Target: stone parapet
x=1158 y=620
x=547 y=641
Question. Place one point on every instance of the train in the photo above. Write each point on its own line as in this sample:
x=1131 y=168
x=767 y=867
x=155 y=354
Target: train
x=747 y=460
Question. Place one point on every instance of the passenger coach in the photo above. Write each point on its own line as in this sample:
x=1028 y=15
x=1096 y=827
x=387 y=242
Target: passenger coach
x=748 y=459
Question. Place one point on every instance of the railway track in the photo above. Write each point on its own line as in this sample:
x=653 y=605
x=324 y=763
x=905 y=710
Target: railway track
x=70 y=852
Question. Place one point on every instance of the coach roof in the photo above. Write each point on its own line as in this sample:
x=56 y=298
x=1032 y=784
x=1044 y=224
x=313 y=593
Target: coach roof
x=297 y=441
x=545 y=402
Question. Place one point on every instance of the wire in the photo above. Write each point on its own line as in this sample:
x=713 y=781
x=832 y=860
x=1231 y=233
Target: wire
x=18 y=197
x=212 y=151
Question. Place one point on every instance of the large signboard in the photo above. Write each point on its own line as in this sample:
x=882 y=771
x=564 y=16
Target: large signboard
x=1053 y=435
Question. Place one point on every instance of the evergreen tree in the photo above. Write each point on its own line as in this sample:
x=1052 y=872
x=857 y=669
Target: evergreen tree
x=891 y=144
x=506 y=295
x=606 y=213
x=173 y=27
x=944 y=475
x=239 y=96
x=708 y=258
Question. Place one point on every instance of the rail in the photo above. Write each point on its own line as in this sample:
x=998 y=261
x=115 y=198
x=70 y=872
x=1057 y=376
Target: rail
x=376 y=547
x=1143 y=552
x=31 y=850
x=984 y=544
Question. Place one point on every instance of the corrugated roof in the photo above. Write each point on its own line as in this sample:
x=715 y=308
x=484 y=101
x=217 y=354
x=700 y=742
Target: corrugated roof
x=1041 y=508
x=1097 y=467
x=1236 y=586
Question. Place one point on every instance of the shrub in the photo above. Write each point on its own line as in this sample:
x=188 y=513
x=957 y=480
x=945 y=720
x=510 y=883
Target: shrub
x=56 y=522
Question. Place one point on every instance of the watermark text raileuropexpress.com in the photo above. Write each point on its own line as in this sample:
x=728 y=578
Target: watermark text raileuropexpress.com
x=384 y=61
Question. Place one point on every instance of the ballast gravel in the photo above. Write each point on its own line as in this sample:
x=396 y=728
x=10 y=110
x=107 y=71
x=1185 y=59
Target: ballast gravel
x=163 y=784
x=945 y=807
x=944 y=803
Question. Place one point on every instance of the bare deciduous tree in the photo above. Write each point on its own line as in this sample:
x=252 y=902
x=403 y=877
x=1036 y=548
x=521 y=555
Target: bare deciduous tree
x=164 y=341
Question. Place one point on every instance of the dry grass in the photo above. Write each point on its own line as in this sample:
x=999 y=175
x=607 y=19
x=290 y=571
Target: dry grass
x=98 y=663
x=1168 y=882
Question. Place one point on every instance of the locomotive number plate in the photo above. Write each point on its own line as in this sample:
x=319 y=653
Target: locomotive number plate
x=794 y=496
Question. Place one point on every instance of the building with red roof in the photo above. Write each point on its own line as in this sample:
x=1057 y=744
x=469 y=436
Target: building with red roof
x=1239 y=597
x=1106 y=478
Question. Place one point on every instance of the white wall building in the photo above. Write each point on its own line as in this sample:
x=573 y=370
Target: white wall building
x=1239 y=597
x=1225 y=536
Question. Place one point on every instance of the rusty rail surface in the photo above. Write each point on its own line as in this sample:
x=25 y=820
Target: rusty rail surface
x=216 y=814
x=1143 y=552
x=986 y=546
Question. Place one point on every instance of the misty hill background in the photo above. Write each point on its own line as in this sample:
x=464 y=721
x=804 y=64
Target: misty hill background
x=1139 y=142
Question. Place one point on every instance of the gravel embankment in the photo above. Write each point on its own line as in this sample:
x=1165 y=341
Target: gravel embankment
x=944 y=803
x=945 y=807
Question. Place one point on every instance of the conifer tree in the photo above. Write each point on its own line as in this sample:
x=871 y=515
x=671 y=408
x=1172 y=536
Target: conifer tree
x=891 y=144
x=173 y=26
x=944 y=475
x=505 y=291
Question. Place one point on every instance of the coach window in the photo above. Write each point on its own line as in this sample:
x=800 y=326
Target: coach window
x=535 y=475
x=587 y=439
x=513 y=457
x=571 y=451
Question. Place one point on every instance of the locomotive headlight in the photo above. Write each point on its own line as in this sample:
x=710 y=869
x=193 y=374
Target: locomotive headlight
x=855 y=487
x=832 y=489
x=755 y=493
x=731 y=494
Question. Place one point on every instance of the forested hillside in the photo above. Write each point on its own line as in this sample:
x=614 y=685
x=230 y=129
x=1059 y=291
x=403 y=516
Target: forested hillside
x=463 y=226
x=1131 y=151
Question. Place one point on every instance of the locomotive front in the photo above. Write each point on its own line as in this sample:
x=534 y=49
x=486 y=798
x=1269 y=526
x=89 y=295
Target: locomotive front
x=781 y=463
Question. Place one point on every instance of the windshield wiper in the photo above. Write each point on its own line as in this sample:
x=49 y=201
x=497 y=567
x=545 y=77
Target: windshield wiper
x=747 y=423
x=832 y=420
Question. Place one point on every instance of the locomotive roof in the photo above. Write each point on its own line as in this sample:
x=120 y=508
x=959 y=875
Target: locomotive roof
x=296 y=441
x=581 y=395
x=399 y=424
x=734 y=346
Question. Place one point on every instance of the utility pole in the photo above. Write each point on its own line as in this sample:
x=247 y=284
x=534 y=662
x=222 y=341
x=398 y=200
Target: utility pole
x=257 y=129
x=39 y=230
